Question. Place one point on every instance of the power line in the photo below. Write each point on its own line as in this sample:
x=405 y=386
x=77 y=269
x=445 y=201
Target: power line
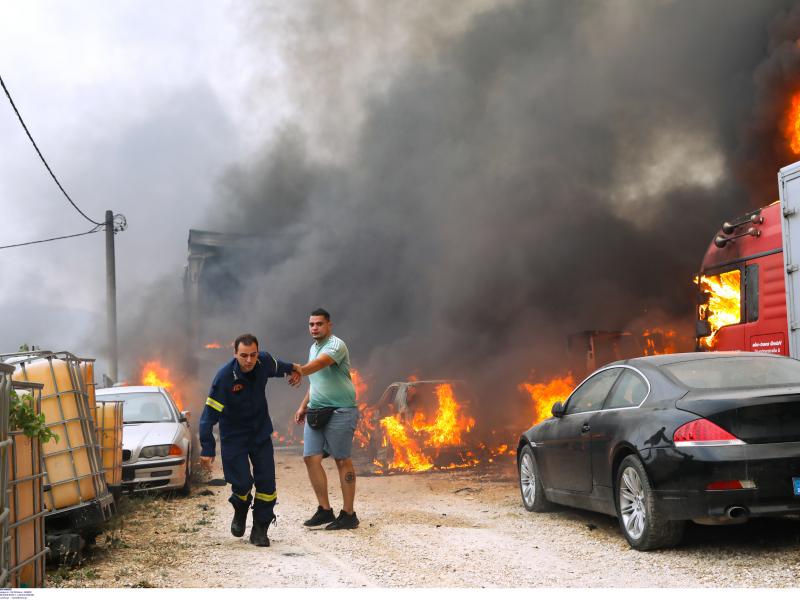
x=49 y=170
x=62 y=237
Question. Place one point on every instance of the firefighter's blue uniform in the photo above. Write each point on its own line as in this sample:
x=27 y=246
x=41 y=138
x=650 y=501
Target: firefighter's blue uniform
x=238 y=402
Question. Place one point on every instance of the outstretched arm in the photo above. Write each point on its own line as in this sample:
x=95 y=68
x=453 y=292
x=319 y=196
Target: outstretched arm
x=319 y=363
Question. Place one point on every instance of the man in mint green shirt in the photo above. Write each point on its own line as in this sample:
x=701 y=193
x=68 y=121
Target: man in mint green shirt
x=328 y=371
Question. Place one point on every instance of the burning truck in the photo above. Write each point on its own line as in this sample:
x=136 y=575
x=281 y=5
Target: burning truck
x=748 y=288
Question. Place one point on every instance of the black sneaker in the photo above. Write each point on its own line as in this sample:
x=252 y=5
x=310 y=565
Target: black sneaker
x=344 y=521
x=320 y=517
x=239 y=521
x=258 y=533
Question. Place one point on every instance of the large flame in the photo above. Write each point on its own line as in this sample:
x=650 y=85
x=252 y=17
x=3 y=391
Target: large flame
x=724 y=306
x=408 y=456
x=792 y=127
x=545 y=395
x=447 y=425
x=416 y=444
x=154 y=373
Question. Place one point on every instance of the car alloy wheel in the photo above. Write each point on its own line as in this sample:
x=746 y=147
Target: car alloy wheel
x=631 y=503
x=643 y=524
x=527 y=479
x=530 y=482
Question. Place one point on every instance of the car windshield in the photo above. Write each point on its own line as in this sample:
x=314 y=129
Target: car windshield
x=736 y=371
x=142 y=407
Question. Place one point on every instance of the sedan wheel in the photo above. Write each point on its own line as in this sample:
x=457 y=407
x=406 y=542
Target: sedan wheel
x=530 y=482
x=631 y=503
x=641 y=522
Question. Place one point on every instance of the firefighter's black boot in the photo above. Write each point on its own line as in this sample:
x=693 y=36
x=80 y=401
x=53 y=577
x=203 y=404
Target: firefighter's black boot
x=240 y=509
x=258 y=533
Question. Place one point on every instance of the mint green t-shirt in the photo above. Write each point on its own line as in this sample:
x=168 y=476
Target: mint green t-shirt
x=331 y=386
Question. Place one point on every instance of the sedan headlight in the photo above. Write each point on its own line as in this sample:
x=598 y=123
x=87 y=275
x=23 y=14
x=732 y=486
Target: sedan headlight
x=160 y=451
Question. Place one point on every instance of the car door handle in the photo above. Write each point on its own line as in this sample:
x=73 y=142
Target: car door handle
x=585 y=428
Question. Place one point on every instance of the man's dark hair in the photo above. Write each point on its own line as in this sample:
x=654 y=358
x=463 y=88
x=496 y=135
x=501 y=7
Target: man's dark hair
x=321 y=312
x=246 y=339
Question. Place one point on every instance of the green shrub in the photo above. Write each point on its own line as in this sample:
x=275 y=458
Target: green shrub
x=22 y=416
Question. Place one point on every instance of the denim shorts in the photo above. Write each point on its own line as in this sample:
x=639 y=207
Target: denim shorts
x=336 y=438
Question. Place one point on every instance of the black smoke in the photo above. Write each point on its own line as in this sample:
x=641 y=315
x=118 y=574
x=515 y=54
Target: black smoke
x=776 y=81
x=545 y=167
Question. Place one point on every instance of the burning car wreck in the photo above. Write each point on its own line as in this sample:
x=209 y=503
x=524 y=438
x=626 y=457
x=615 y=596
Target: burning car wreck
x=423 y=425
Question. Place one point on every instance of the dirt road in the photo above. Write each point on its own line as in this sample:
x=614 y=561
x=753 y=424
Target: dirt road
x=454 y=529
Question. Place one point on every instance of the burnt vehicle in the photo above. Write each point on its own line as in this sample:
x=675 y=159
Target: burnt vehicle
x=404 y=397
x=661 y=440
x=430 y=413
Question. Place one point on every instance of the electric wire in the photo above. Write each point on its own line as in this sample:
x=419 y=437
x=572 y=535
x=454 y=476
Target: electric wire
x=49 y=170
x=99 y=227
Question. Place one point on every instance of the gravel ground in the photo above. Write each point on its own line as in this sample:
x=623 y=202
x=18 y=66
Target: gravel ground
x=464 y=528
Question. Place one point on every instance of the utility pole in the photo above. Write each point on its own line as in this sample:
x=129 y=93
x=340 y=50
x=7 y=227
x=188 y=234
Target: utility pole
x=111 y=297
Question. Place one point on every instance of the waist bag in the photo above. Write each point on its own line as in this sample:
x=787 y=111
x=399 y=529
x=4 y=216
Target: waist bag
x=317 y=418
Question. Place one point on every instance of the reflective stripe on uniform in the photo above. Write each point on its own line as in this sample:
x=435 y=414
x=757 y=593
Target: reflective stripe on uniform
x=266 y=497
x=246 y=497
x=214 y=404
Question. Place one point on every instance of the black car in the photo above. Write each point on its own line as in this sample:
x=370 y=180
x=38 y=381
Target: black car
x=661 y=440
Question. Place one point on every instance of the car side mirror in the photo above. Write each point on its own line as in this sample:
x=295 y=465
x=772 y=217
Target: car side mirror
x=558 y=410
x=185 y=414
x=703 y=329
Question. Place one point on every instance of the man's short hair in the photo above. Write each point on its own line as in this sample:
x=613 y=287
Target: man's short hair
x=246 y=339
x=321 y=312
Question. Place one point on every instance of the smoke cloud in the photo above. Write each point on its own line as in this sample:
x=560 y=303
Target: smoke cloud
x=463 y=193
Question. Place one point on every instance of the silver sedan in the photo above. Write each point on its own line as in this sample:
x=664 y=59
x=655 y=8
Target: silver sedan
x=156 y=439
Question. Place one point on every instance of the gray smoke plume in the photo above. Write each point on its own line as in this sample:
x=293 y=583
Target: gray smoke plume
x=520 y=172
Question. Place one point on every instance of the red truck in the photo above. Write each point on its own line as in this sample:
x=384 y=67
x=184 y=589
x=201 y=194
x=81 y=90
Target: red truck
x=751 y=263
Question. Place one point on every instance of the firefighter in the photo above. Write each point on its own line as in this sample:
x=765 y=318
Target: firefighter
x=237 y=401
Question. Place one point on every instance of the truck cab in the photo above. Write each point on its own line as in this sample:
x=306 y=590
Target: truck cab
x=741 y=302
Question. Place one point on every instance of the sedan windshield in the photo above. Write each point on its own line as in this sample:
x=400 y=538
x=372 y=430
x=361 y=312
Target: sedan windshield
x=735 y=371
x=142 y=407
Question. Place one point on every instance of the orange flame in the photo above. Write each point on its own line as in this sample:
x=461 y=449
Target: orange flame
x=724 y=306
x=792 y=128
x=407 y=453
x=545 y=395
x=447 y=426
x=153 y=373
x=359 y=384
x=213 y=346
x=443 y=431
x=366 y=424
x=658 y=341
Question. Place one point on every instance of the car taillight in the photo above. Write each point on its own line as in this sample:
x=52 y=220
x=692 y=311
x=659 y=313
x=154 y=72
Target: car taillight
x=703 y=432
x=732 y=484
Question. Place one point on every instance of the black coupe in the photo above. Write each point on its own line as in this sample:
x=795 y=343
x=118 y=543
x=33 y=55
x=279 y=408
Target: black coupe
x=660 y=440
